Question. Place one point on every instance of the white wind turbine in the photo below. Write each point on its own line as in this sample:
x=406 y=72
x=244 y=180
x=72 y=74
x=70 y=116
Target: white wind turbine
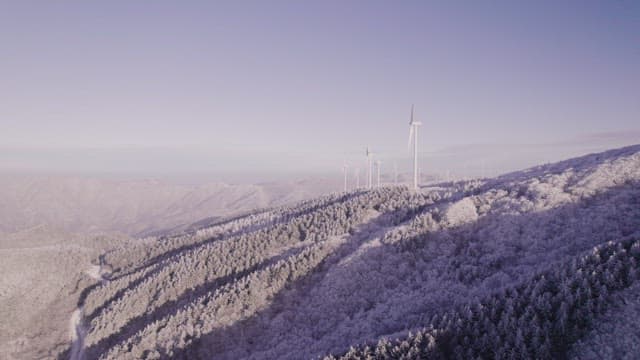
x=413 y=135
x=370 y=166
x=345 y=168
x=378 y=164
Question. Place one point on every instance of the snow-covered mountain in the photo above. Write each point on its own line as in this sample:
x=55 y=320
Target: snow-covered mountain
x=525 y=265
x=534 y=264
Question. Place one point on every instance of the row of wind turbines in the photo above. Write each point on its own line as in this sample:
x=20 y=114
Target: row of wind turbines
x=413 y=139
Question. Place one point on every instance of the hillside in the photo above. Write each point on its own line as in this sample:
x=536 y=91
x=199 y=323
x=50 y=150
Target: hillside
x=42 y=276
x=524 y=265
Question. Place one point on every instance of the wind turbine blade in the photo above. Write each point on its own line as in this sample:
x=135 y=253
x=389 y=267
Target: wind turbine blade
x=410 y=137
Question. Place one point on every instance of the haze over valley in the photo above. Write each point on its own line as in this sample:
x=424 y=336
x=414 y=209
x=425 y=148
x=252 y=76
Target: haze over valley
x=94 y=205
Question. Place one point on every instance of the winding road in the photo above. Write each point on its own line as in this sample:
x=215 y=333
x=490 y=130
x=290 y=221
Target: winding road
x=77 y=329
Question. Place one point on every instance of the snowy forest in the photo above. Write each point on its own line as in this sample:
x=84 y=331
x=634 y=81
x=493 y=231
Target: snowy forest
x=532 y=264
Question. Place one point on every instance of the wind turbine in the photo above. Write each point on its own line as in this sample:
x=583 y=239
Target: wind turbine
x=370 y=165
x=378 y=163
x=345 y=167
x=413 y=135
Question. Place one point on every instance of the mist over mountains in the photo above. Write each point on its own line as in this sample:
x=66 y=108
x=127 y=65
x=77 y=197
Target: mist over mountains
x=94 y=205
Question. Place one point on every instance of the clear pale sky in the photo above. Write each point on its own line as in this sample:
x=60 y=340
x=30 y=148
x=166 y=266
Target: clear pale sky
x=300 y=86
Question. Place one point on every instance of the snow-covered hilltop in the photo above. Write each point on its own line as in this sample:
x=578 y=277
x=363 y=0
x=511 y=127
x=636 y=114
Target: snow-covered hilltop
x=524 y=265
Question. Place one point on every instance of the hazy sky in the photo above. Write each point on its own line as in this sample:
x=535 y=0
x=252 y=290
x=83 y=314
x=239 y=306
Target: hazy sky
x=270 y=85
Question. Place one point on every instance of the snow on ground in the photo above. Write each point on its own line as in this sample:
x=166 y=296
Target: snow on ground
x=38 y=291
x=95 y=272
x=77 y=332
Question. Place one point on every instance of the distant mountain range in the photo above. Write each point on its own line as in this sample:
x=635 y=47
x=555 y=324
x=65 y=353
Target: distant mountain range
x=135 y=207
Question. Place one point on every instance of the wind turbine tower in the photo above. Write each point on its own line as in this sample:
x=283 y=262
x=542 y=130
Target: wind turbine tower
x=370 y=166
x=378 y=163
x=345 y=167
x=413 y=136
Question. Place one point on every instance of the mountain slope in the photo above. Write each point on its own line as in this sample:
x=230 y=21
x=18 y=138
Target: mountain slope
x=42 y=275
x=446 y=262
